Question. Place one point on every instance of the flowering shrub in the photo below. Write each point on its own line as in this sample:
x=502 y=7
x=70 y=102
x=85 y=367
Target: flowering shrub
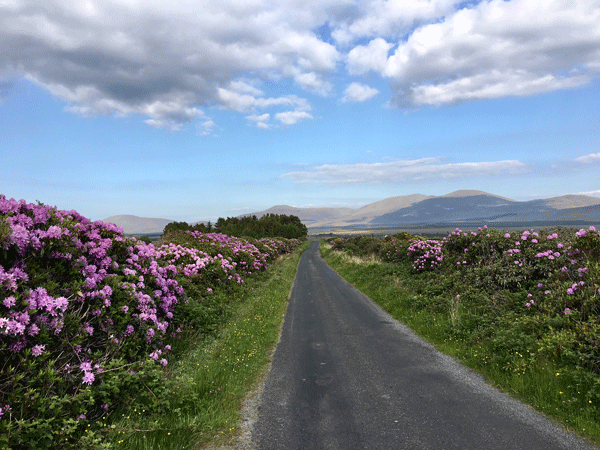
x=427 y=254
x=77 y=298
x=394 y=248
x=89 y=312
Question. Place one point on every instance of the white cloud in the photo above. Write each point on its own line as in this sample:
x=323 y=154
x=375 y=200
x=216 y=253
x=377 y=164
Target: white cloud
x=122 y=56
x=292 y=117
x=206 y=127
x=391 y=18
x=356 y=92
x=373 y=56
x=169 y=62
x=243 y=87
x=493 y=84
x=589 y=159
x=235 y=101
x=497 y=49
x=312 y=82
x=260 y=121
x=398 y=170
x=248 y=103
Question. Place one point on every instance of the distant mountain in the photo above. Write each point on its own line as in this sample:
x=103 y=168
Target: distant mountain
x=571 y=201
x=457 y=206
x=451 y=209
x=138 y=225
x=369 y=212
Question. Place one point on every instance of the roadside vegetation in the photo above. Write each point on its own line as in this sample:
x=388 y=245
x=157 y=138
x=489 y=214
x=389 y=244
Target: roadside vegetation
x=521 y=308
x=269 y=225
x=109 y=342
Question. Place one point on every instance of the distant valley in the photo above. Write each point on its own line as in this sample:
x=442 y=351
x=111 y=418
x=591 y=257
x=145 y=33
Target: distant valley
x=464 y=206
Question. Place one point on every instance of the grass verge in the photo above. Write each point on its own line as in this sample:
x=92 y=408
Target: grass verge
x=213 y=375
x=421 y=301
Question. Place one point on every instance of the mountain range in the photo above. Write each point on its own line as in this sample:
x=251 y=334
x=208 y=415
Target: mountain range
x=459 y=206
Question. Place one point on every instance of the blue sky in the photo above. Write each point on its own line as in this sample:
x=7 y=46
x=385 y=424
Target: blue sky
x=195 y=110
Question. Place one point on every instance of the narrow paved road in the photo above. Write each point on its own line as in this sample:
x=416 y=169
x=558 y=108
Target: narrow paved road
x=346 y=375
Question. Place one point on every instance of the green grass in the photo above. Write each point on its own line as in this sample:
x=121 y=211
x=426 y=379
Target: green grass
x=494 y=346
x=213 y=375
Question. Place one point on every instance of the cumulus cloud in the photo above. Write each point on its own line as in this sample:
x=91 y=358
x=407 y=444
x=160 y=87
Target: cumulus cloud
x=172 y=62
x=241 y=102
x=398 y=170
x=496 y=49
x=393 y=18
x=589 y=159
x=356 y=92
x=260 y=121
x=312 y=82
x=292 y=117
x=165 y=61
x=364 y=58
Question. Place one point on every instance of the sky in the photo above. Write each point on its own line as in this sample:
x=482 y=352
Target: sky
x=192 y=110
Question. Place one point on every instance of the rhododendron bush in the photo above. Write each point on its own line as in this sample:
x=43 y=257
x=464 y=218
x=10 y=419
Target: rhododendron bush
x=86 y=313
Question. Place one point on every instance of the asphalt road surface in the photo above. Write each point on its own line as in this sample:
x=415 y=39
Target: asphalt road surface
x=345 y=375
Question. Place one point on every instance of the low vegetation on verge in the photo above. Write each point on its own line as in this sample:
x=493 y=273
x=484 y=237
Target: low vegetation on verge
x=94 y=324
x=521 y=308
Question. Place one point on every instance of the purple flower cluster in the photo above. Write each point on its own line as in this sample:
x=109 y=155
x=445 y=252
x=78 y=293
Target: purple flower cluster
x=252 y=257
x=428 y=254
x=72 y=287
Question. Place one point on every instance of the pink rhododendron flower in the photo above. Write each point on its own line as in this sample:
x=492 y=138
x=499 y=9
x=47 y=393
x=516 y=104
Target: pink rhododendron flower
x=38 y=350
x=9 y=301
x=88 y=378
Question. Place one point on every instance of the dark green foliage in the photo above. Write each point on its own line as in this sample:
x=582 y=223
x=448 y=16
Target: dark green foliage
x=269 y=225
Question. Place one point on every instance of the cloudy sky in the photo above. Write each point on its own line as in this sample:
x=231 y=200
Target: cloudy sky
x=198 y=109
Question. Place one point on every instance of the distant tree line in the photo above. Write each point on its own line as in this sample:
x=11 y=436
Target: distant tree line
x=269 y=225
